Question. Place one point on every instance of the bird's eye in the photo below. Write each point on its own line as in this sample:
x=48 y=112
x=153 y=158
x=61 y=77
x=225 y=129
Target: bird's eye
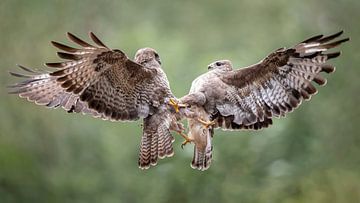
x=157 y=58
x=218 y=63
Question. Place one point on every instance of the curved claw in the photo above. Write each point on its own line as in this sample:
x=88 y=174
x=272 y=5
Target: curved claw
x=186 y=137
x=206 y=124
x=176 y=104
x=186 y=141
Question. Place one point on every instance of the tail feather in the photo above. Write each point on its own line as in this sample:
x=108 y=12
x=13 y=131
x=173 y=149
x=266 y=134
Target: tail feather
x=154 y=152
x=156 y=142
x=145 y=152
x=165 y=141
x=201 y=159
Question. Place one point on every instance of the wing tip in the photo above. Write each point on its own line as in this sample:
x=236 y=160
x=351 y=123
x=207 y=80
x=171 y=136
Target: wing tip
x=78 y=41
x=19 y=75
x=70 y=35
x=312 y=39
x=54 y=64
x=333 y=55
x=96 y=39
x=68 y=56
x=323 y=39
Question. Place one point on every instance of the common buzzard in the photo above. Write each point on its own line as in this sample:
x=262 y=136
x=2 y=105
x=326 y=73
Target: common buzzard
x=107 y=84
x=248 y=98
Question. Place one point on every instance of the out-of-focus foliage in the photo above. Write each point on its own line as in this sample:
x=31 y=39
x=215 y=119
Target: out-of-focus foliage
x=51 y=156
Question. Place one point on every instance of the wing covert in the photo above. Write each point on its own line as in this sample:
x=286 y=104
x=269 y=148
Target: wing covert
x=95 y=80
x=276 y=85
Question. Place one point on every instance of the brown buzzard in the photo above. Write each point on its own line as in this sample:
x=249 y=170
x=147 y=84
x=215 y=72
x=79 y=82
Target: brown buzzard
x=248 y=98
x=106 y=84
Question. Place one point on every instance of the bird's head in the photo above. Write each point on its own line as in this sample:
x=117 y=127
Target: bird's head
x=224 y=65
x=147 y=56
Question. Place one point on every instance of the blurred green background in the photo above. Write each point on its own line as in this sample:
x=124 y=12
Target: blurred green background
x=51 y=156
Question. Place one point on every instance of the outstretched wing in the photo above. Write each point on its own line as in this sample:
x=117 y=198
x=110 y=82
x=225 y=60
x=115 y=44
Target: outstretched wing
x=276 y=85
x=94 y=80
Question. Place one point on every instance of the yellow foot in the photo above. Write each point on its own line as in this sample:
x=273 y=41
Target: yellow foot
x=185 y=142
x=176 y=105
x=206 y=124
x=187 y=139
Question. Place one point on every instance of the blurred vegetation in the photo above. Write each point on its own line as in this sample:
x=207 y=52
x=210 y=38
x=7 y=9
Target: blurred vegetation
x=52 y=156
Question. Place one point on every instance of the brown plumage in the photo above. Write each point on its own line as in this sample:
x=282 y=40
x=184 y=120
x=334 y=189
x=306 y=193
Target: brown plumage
x=107 y=84
x=202 y=137
x=248 y=98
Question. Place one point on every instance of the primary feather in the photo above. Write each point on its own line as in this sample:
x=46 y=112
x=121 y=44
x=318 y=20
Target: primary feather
x=105 y=83
x=248 y=98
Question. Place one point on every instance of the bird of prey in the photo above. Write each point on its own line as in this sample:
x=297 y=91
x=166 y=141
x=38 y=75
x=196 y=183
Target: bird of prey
x=106 y=84
x=248 y=98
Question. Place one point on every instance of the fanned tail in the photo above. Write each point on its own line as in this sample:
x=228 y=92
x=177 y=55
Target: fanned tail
x=156 y=142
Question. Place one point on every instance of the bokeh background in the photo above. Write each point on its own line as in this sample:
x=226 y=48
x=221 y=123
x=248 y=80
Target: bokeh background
x=51 y=156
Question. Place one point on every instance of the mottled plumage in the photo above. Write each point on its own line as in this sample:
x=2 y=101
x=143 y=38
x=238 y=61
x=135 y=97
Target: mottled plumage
x=107 y=84
x=248 y=98
x=202 y=137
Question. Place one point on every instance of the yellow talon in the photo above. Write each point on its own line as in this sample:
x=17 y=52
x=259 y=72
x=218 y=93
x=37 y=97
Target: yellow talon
x=185 y=142
x=176 y=105
x=187 y=139
x=206 y=124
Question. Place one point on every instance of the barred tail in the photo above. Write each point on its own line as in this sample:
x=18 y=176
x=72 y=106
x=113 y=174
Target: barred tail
x=156 y=142
x=202 y=159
